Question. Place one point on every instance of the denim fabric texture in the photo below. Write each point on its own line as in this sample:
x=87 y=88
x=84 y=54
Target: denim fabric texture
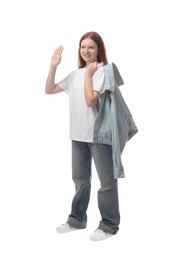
x=82 y=155
x=114 y=124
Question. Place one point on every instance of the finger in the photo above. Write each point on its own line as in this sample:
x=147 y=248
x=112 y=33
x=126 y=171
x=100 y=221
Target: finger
x=60 y=49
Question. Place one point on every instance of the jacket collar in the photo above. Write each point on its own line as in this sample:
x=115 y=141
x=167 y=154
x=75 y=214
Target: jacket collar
x=112 y=77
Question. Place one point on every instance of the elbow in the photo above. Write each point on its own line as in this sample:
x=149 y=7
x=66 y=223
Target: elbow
x=48 y=91
x=91 y=103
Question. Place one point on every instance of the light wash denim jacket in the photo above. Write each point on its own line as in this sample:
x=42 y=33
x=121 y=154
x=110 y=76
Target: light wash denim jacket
x=114 y=124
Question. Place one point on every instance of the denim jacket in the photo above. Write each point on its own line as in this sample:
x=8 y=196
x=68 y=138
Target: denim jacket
x=114 y=124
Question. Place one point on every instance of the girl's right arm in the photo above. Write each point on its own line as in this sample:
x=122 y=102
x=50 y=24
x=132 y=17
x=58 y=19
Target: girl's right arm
x=51 y=87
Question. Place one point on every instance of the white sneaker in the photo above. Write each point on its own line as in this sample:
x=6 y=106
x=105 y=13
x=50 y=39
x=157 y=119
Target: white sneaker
x=99 y=235
x=65 y=228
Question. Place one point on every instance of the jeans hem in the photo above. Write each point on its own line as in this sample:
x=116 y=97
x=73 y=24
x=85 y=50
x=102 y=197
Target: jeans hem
x=76 y=223
x=107 y=228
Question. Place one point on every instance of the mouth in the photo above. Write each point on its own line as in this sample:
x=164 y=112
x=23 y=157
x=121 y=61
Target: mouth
x=86 y=56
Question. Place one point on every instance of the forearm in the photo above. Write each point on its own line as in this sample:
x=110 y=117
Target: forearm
x=50 y=83
x=91 y=96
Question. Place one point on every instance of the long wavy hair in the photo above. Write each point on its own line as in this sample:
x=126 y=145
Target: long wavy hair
x=102 y=57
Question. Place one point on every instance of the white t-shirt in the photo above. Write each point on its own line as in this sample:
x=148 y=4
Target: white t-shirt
x=82 y=117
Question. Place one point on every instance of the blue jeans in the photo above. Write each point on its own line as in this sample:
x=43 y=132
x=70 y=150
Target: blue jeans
x=82 y=154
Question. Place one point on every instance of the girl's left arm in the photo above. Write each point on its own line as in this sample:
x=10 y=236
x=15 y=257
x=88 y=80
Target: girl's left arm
x=91 y=96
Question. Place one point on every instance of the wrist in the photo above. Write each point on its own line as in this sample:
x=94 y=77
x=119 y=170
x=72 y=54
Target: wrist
x=88 y=74
x=53 y=67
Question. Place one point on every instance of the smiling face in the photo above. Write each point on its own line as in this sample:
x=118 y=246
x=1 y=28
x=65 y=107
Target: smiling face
x=89 y=51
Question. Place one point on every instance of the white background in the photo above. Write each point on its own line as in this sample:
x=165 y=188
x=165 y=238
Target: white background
x=35 y=151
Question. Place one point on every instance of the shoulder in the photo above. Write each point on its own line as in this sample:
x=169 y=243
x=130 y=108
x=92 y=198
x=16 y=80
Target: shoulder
x=100 y=72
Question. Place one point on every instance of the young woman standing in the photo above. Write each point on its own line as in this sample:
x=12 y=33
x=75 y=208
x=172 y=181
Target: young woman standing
x=83 y=87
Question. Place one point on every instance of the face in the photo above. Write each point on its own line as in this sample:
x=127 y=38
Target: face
x=89 y=51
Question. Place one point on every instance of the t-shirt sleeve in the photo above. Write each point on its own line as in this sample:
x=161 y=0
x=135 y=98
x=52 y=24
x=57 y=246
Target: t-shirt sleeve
x=98 y=79
x=65 y=83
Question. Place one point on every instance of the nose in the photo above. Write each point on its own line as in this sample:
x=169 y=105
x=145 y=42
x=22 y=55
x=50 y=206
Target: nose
x=86 y=49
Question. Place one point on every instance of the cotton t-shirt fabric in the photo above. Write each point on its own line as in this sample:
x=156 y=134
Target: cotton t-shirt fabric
x=82 y=117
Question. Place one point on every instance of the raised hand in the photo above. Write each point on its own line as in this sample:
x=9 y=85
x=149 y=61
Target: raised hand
x=56 y=58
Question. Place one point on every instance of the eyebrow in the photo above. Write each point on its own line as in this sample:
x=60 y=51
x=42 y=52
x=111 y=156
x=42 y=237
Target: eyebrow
x=83 y=45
